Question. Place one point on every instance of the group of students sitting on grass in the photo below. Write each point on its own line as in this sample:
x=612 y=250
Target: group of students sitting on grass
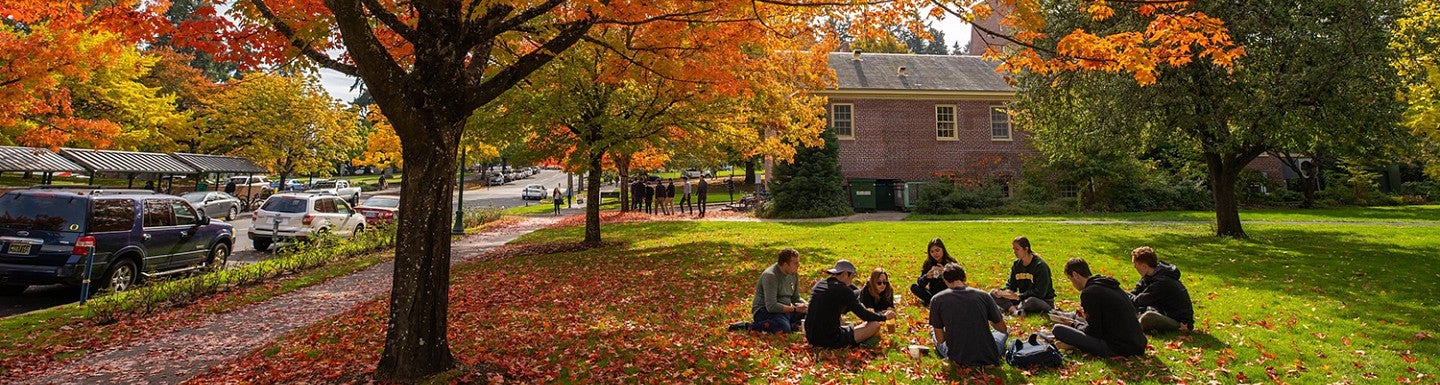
x=968 y=324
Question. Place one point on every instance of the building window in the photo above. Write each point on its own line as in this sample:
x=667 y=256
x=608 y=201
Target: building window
x=842 y=119
x=945 y=123
x=999 y=123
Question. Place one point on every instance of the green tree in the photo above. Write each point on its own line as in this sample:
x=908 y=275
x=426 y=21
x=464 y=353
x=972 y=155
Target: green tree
x=285 y=123
x=810 y=186
x=1417 y=44
x=1308 y=78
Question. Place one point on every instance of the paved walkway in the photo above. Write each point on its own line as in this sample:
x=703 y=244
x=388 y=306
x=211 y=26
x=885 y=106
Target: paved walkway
x=176 y=356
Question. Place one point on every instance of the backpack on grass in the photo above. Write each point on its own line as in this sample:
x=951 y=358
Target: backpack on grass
x=1031 y=353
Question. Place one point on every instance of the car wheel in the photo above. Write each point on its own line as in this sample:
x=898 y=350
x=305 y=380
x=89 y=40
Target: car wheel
x=219 y=256
x=122 y=276
x=358 y=229
x=12 y=290
x=234 y=211
x=261 y=244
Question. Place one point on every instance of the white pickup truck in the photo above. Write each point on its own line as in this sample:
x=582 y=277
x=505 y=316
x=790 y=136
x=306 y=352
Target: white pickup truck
x=337 y=187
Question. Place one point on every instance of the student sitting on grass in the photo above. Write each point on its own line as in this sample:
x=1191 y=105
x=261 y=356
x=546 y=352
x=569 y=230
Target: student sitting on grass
x=1163 y=300
x=962 y=317
x=777 y=306
x=1029 y=289
x=877 y=294
x=1109 y=327
x=929 y=283
x=831 y=299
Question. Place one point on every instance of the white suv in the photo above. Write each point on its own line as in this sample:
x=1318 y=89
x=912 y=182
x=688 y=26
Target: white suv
x=297 y=216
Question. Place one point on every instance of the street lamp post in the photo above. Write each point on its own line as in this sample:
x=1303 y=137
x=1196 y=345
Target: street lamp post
x=459 y=228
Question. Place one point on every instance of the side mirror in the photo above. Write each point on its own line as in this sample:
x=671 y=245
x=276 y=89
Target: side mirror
x=204 y=219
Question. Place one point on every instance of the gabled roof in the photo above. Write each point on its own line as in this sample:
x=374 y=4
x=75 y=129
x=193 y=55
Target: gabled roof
x=880 y=71
x=34 y=159
x=222 y=164
x=125 y=161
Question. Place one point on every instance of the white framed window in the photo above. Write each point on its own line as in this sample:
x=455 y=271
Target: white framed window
x=945 y=123
x=842 y=119
x=999 y=123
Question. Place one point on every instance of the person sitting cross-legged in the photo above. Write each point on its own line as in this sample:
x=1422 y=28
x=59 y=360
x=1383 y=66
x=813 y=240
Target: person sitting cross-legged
x=1110 y=327
x=1163 y=301
x=1028 y=290
x=962 y=318
x=832 y=298
x=777 y=307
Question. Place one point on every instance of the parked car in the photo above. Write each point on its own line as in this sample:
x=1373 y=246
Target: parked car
x=290 y=185
x=214 y=204
x=337 y=187
x=496 y=180
x=380 y=209
x=694 y=173
x=299 y=216
x=534 y=191
x=45 y=234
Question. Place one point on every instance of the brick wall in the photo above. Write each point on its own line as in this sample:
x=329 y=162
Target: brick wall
x=895 y=139
x=1273 y=167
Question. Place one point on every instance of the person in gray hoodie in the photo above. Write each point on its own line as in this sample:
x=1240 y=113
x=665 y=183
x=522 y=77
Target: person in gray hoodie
x=777 y=307
x=1162 y=300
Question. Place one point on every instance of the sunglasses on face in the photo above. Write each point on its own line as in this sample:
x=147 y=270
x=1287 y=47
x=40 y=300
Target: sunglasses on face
x=882 y=283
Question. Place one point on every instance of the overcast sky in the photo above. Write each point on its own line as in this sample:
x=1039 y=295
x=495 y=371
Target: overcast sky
x=339 y=85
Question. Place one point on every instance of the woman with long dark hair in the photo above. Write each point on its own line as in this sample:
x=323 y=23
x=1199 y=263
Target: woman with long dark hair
x=1028 y=290
x=930 y=281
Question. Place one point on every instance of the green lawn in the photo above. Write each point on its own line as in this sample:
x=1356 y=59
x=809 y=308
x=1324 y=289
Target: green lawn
x=1428 y=213
x=1294 y=304
x=739 y=174
x=546 y=206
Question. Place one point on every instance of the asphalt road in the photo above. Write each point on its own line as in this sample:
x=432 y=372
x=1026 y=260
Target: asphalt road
x=506 y=195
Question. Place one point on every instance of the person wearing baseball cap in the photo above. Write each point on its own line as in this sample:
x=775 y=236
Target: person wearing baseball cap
x=832 y=298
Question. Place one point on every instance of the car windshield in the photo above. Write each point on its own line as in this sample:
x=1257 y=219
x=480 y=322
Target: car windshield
x=42 y=212
x=379 y=201
x=195 y=197
x=535 y=186
x=324 y=184
x=285 y=205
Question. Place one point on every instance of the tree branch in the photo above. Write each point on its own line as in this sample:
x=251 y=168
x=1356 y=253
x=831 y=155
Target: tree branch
x=390 y=20
x=304 y=47
x=570 y=33
x=374 y=62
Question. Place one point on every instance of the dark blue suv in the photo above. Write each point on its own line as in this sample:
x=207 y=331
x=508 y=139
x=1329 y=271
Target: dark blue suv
x=135 y=233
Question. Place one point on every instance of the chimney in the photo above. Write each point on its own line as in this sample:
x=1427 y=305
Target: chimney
x=856 y=55
x=901 y=71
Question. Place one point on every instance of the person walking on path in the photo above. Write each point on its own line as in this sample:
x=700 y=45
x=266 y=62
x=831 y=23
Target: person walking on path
x=558 y=199
x=685 y=200
x=649 y=193
x=1109 y=327
x=670 y=198
x=1029 y=289
x=704 y=190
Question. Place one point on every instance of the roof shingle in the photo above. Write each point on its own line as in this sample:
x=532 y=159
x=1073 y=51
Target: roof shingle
x=880 y=71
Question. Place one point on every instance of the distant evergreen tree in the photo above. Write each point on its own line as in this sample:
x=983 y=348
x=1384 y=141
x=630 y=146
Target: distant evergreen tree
x=810 y=187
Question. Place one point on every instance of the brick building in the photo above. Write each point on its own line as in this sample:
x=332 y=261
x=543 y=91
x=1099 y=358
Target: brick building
x=905 y=119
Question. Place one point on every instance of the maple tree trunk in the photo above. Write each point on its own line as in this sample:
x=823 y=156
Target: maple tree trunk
x=622 y=165
x=416 y=345
x=1222 y=187
x=592 y=202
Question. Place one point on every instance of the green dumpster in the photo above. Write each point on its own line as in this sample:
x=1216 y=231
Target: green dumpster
x=885 y=195
x=862 y=194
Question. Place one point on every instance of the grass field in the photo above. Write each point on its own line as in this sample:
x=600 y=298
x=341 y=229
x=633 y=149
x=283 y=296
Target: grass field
x=1295 y=304
x=1430 y=213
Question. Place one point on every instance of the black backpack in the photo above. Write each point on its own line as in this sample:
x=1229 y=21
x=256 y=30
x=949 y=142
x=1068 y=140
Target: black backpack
x=1030 y=353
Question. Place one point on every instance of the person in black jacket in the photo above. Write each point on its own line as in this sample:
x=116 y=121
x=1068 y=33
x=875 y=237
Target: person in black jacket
x=1029 y=288
x=832 y=298
x=1110 y=327
x=649 y=194
x=877 y=294
x=930 y=282
x=635 y=198
x=701 y=194
x=1163 y=302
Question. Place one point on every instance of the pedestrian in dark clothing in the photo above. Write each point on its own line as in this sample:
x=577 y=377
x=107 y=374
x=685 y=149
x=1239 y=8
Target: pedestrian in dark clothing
x=685 y=199
x=559 y=200
x=150 y=185
x=877 y=295
x=962 y=317
x=659 y=198
x=832 y=298
x=730 y=187
x=1110 y=327
x=649 y=194
x=670 y=198
x=1163 y=301
x=1029 y=289
x=703 y=191
x=930 y=281
x=230 y=187
x=637 y=202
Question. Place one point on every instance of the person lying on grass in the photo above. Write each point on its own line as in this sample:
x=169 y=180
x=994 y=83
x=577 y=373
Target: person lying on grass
x=1029 y=288
x=1163 y=301
x=961 y=318
x=929 y=283
x=1109 y=327
x=877 y=294
x=777 y=307
x=832 y=298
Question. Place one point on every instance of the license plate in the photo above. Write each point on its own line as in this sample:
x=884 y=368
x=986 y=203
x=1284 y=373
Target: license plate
x=371 y=214
x=19 y=248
